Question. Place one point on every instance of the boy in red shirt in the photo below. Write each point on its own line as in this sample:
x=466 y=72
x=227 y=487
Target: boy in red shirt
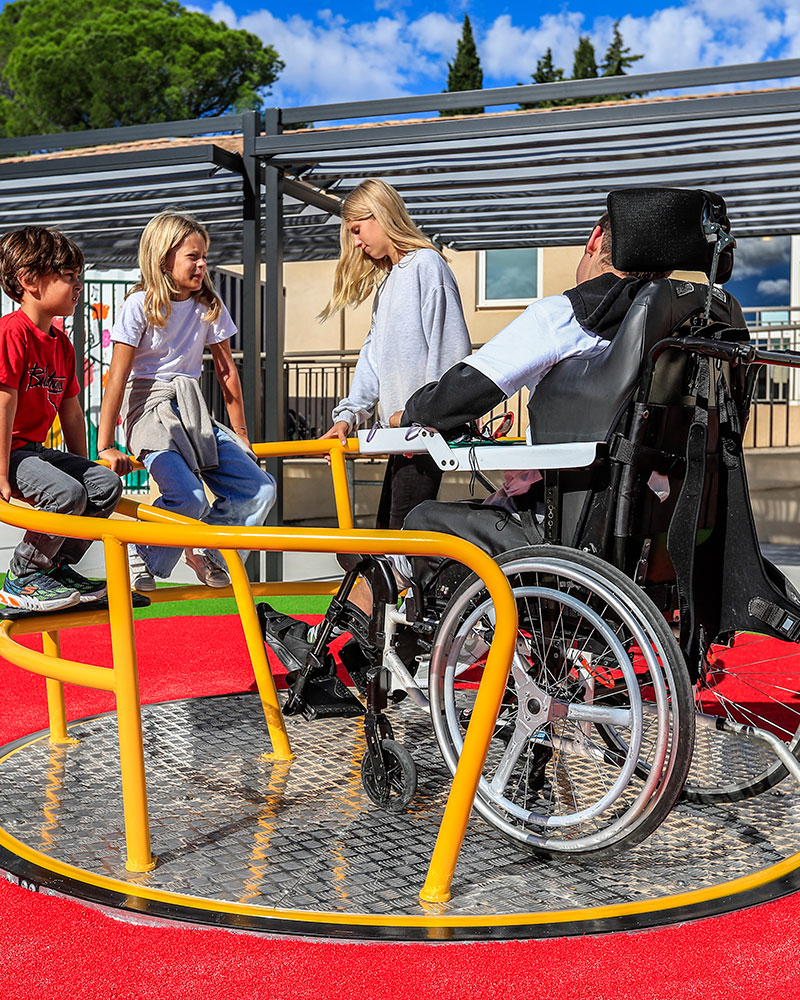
x=41 y=269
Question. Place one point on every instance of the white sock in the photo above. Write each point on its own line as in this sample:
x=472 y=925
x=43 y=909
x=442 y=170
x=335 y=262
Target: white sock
x=313 y=632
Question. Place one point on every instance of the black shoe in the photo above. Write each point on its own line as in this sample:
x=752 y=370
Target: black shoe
x=286 y=636
x=69 y=577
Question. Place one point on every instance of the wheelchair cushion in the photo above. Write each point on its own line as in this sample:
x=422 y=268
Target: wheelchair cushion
x=661 y=229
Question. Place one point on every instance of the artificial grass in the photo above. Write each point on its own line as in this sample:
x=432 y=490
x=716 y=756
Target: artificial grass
x=213 y=606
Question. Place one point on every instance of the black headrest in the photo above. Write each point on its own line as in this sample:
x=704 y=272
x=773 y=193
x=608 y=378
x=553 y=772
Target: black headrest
x=661 y=229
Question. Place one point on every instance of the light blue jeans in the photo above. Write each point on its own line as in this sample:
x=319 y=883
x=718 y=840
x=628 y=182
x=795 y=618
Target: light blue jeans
x=244 y=494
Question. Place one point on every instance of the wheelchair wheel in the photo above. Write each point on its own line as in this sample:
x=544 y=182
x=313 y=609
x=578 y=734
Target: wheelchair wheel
x=595 y=732
x=754 y=682
x=401 y=772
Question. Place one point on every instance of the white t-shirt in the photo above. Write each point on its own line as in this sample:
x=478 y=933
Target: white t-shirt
x=522 y=353
x=175 y=349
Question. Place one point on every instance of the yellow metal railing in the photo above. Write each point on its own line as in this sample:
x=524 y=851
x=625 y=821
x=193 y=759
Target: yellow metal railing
x=156 y=527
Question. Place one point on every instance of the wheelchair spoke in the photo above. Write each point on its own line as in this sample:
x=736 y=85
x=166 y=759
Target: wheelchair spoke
x=587 y=732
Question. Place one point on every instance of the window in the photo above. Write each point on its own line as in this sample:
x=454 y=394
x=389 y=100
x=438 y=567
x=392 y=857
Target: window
x=509 y=277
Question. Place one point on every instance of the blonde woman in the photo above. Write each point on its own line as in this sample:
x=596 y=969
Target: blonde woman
x=166 y=322
x=417 y=330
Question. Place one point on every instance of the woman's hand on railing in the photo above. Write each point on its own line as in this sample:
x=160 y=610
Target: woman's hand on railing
x=116 y=460
x=6 y=491
x=340 y=430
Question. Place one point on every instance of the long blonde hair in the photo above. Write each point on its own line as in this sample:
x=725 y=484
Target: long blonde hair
x=164 y=233
x=357 y=275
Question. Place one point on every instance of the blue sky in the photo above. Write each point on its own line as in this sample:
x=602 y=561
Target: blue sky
x=393 y=48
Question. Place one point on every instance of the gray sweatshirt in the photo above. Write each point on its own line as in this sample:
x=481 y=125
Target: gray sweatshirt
x=417 y=333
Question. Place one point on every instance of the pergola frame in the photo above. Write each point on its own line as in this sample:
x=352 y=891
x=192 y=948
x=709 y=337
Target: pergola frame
x=525 y=178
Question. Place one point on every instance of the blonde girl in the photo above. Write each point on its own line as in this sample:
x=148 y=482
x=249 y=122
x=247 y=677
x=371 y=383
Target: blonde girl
x=417 y=330
x=167 y=321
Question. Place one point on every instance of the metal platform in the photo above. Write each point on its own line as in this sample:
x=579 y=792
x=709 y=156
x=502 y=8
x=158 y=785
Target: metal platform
x=298 y=849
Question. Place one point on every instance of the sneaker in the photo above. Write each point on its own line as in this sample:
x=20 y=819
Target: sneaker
x=141 y=577
x=90 y=590
x=37 y=592
x=286 y=636
x=208 y=568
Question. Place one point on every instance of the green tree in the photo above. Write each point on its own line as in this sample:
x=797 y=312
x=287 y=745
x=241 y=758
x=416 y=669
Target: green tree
x=546 y=72
x=617 y=59
x=618 y=56
x=78 y=64
x=585 y=65
x=464 y=72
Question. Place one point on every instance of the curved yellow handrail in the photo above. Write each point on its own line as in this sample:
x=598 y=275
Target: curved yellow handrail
x=156 y=527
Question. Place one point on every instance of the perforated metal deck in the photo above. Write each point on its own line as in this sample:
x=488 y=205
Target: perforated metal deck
x=299 y=849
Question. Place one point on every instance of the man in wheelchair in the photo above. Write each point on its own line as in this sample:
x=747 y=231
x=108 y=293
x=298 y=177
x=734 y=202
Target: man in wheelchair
x=553 y=333
x=653 y=541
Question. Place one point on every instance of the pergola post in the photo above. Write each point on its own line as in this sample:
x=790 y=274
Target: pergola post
x=252 y=319
x=274 y=333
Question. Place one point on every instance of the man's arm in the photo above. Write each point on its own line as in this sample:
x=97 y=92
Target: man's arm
x=462 y=394
x=73 y=425
x=8 y=410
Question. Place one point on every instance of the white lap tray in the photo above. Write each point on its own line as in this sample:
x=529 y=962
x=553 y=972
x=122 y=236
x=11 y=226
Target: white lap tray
x=501 y=455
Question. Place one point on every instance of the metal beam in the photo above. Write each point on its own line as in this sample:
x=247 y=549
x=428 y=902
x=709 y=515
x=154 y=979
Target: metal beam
x=251 y=338
x=125 y=133
x=273 y=427
x=634 y=115
x=535 y=93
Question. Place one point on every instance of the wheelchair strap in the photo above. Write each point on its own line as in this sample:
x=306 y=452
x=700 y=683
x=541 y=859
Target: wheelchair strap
x=643 y=456
x=533 y=533
x=682 y=533
x=782 y=621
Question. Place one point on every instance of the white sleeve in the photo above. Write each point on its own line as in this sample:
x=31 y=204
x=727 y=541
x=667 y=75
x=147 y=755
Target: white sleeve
x=359 y=404
x=525 y=351
x=130 y=324
x=223 y=327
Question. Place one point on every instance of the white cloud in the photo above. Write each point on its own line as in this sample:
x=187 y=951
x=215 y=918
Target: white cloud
x=755 y=256
x=778 y=288
x=330 y=59
x=508 y=50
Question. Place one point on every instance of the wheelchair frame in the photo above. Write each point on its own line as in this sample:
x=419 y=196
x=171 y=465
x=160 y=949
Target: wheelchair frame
x=388 y=772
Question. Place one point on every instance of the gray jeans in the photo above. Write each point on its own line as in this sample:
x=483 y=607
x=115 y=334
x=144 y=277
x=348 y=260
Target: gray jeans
x=62 y=483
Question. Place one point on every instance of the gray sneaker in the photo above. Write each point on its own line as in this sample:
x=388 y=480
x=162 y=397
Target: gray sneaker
x=141 y=577
x=208 y=567
x=37 y=592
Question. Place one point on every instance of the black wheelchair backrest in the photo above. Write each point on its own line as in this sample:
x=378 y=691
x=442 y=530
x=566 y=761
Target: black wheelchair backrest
x=583 y=399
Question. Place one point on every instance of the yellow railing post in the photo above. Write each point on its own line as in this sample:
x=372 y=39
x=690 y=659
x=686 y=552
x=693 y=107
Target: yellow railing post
x=479 y=733
x=129 y=714
x=281 y=750
x=341 y=491
x=56 y=709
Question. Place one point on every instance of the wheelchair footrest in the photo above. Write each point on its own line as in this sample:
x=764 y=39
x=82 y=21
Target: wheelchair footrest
x=328 y=698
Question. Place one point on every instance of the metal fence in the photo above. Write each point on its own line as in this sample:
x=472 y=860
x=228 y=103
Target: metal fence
x=315 y=382
x=775 y=415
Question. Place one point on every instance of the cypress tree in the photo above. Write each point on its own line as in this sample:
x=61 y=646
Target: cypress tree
x=546 y=72
x=618 y=56
x=585 y=65
x=464 y=72
x=617 y=59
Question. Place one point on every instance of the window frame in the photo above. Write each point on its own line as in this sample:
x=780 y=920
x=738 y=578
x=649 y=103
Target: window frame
x=484 y=303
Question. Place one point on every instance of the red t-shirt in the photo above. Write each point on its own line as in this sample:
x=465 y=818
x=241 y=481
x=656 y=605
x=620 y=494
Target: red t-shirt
x=41 y=367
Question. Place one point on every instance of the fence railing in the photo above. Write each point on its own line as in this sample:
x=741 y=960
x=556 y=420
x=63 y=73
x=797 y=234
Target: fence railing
x=775 y=415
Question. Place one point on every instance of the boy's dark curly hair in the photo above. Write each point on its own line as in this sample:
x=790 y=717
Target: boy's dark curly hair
x=34 y=252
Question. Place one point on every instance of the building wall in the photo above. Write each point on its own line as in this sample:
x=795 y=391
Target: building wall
x=308 y=287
